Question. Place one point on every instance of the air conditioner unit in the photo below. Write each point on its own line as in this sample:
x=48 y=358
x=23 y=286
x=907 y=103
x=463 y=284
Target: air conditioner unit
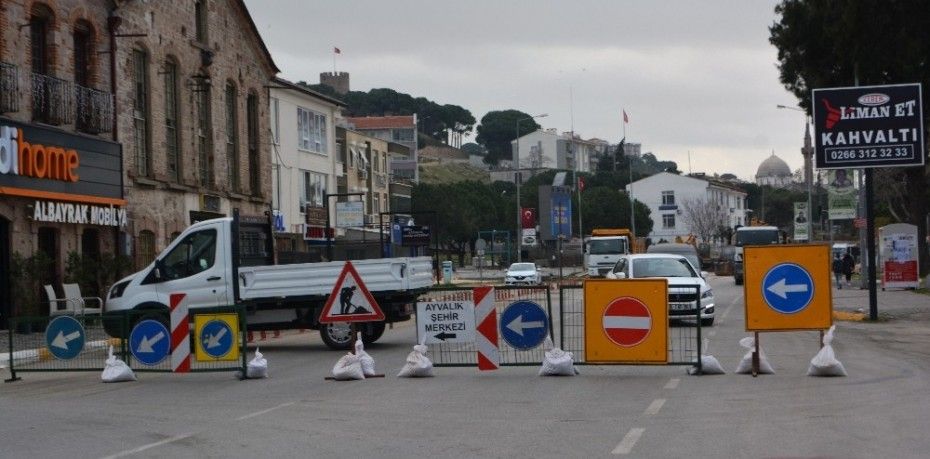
x=209 y=203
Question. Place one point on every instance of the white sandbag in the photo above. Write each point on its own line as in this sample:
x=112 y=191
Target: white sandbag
x=558 y=363
x=418 y=364
x=257 y=367
x=368 y=363
x=348 y=368
x=825 y=362
x=709 y=366
x=116 y=370
x=745 y=365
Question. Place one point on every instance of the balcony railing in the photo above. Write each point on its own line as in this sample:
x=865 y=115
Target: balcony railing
x=94 y=110
x=9 y=88
x=52 y=100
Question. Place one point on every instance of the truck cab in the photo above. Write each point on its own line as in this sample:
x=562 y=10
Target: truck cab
x=752 y=235
x=604 y=248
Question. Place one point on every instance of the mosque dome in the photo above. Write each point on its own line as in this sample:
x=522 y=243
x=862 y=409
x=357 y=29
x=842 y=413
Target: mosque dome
x=773 y=166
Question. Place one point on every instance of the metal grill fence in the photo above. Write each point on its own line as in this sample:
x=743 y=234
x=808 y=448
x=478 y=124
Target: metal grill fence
x=465 y=354
x=32 y=351
x=566 y=326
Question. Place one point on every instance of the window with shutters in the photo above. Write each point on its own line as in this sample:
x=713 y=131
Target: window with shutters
x=172 y=123
x=232 y=138
x=140 y=112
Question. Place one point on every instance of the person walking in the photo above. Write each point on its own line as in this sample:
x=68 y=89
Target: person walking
x=849 y=264
x=838 y=271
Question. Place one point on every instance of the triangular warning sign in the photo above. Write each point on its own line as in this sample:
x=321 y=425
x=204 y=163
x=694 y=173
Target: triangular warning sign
x=350 y=300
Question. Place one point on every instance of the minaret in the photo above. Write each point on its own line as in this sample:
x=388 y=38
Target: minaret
x=808 y=153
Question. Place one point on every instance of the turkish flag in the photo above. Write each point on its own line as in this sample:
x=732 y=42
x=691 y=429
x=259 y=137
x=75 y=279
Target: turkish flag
x=626 y=119
x=580 y=184
x=337 y=50
x=528 y=217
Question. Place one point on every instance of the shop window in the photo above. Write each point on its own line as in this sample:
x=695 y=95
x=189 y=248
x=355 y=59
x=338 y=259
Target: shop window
x=48 y=246
x=146 y=249
x=232 y=138
x=90 y=244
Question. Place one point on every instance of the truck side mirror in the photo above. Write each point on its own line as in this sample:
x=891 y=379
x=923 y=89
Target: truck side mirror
x=159 y=271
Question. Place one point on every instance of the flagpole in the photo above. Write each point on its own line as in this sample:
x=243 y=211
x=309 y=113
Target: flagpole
x=629 y=163
x=334 y=62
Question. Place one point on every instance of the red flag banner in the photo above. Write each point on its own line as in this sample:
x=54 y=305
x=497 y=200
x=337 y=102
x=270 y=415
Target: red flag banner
x=528 y=217
x=626 y=119
x=580 y=184
x=337 y=50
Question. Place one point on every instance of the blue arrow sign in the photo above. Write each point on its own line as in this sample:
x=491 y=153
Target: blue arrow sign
x=150 y=342
x=787 y=288
x=216 y=338
x=64 y=337
x=524 y=325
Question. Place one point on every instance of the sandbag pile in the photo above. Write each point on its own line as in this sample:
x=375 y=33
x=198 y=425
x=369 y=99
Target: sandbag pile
x=116 y=370
x=348 y=368
x=557 y=362
x=825 y=362
x=257 y=367
x=418 y=364
x=367 y=362
x=745 y=365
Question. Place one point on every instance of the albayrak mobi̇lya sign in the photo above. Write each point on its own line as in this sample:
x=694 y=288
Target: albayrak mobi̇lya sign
x=868 y=126
x=83 y=214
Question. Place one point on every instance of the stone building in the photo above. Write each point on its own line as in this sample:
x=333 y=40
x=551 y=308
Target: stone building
x=154 y=114
x=192 y=116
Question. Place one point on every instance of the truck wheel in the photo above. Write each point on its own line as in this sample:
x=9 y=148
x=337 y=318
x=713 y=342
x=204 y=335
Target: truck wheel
x=372 y=331
x=337 y=336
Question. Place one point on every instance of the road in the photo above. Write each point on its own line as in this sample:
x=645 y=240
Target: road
x=880 y=410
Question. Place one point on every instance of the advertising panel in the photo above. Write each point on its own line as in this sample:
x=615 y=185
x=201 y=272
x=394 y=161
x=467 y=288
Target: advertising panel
x=868 y=126
x=899 y=256
x=842 y=196
x=555 y=212
x=350 y=214
x=801 y=220
x=414 y=235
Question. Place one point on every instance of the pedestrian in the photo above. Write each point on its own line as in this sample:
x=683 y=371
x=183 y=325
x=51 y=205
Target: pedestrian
x=849 y=264
x=838 y=271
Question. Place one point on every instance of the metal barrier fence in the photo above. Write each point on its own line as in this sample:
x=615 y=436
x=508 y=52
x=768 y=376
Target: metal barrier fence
x=465 y=354
x=55 y=344
x=684 y=327
x=566 y=325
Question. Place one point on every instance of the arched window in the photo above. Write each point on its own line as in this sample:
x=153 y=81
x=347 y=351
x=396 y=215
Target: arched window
x=204 y=131
x=140 y=112
x=251 y=108
x=83 y=53
x=40 y=26
x=232 y=137
x=172 y=122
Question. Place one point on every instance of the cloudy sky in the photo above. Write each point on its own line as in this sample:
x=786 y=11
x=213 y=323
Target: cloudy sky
x=696 y=77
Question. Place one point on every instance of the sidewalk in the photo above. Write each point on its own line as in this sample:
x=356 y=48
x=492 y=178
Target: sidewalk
x=892 y=303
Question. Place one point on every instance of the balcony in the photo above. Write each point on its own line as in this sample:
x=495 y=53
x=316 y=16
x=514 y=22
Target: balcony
x=9 y=88
x=52 y=100
x=94 y=110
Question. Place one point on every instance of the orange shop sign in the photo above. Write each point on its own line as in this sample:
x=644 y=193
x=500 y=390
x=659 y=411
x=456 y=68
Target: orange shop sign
x=50 y=162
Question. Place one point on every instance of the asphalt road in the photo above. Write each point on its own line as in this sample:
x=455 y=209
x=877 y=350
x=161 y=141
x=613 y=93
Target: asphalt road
x=880 y=410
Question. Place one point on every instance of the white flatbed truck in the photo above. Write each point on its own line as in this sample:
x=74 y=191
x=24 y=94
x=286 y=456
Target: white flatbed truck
x=229 y=261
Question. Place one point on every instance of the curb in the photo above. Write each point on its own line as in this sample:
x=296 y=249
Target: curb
x=43 y=354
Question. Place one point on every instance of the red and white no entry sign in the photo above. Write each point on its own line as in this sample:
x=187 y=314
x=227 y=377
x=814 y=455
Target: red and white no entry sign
x=627 y=321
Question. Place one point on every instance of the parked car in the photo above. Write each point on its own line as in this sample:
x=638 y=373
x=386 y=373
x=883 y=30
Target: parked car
x=686 y=250
x=523 y=273
x=681 y=275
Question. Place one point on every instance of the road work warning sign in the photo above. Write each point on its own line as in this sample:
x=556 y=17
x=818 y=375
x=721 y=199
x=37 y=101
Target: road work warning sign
x=446 y=321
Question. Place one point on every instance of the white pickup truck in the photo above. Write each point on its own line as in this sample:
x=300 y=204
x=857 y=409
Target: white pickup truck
x=227 y=261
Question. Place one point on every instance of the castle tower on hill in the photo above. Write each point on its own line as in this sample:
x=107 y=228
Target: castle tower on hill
x=336 y=80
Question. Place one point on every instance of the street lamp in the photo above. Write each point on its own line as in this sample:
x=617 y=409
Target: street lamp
x=517 y=178
x=808 y=152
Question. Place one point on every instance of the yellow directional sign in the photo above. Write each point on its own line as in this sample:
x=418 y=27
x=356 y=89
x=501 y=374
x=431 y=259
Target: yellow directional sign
x=626 y=321
x=788 y=287
x=217 y=337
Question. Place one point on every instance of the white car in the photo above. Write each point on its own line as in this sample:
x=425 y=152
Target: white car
x=680 y=274
x=523 y=273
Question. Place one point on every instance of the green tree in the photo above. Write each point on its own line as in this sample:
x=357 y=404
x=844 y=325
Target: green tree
x=499 y=128
x=605 y=207
x=834 y=43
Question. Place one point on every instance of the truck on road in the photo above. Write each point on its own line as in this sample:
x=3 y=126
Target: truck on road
x=230 y=260
x=752 y=235
x=604 y=248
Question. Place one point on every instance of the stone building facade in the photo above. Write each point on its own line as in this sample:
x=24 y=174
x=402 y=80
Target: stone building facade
x=192 y=109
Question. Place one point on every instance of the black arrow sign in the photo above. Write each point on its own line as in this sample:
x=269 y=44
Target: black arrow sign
x=444 y=336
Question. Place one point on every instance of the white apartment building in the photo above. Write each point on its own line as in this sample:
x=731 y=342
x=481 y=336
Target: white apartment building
x=665 y=194
x=546 y=149
x=303 y=156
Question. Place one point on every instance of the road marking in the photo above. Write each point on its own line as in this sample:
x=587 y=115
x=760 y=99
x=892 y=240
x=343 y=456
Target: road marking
x=149 y=446
x=654 y=407
x=259 y=413
x=712 y=333
x=673 y=383
x=729 y=308
x=629 y=441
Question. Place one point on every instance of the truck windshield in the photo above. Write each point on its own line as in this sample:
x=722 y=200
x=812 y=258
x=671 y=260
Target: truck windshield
x=756 y=237
x=606 y=246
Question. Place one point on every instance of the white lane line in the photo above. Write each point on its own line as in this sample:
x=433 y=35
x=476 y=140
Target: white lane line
x=730 y=307
x=259 y=413
x=654 y=407
x=673 y=383
x=629 y=441
x=712 y=333
x=149 y=446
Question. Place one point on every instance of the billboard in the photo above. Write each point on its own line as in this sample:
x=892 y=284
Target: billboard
x=868 y=126
x=350 y=214
x=555 y=212
x=801 y=220
x=899 y=256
